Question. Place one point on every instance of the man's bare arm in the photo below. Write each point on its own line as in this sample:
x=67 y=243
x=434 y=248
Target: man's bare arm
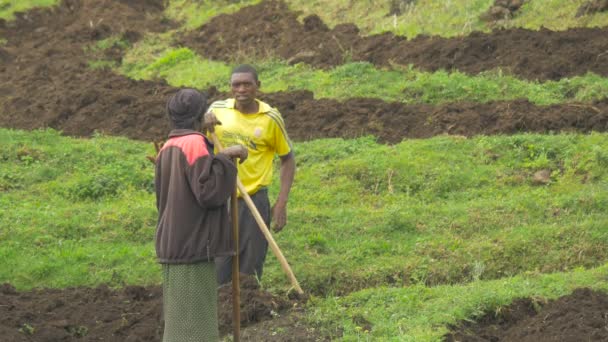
x=279 y=210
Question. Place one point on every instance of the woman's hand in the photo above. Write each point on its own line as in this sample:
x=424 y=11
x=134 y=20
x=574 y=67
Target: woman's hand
x=236 y=151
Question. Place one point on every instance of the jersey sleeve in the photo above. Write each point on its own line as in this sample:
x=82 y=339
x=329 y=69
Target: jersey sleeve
x=217 y=107
x=282 y=144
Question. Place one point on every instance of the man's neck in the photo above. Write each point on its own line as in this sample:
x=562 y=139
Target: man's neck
x=247 y=108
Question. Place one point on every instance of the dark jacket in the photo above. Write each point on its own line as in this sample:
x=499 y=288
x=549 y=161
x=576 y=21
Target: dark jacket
x=192 y=191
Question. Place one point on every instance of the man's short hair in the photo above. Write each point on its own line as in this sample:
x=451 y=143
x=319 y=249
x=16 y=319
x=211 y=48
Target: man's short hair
x=245 y=69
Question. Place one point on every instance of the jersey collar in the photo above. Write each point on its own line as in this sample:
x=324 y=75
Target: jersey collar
x=263 y=106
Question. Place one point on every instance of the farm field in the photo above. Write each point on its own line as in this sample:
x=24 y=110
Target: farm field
x=452 y=165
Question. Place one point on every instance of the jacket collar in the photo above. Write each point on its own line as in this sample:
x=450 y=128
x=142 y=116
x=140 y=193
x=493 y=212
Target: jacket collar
x=180 y=132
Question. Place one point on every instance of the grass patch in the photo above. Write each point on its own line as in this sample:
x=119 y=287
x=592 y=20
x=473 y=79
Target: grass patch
x=9 y=7
x=96 y=52
x=88 y=216
x=419 y=313
x=444 y=18
x=194 y=14
x=182 y=67
x=102 y=64
x=444 y=210
x=438 y=211
x=431 y=17
x=114 y=41
x=557 y=15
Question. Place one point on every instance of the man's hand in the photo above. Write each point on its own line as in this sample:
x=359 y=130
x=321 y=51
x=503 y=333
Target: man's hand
x=279 y=216
x=157 y=146
x=236 y=151
x=209 y=122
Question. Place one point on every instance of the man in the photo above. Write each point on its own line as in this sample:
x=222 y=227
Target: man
x=248 y=121
x=192 y=188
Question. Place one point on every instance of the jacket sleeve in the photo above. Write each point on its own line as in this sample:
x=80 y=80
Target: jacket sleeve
x=212 y=180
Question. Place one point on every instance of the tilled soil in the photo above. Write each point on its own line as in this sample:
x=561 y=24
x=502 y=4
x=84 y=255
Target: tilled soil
x=270 y=28
x=45 y=82
x=307 y=118
x=133 y=313
x=581 y=316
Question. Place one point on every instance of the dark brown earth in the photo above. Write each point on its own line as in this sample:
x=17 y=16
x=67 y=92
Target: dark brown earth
x=134 y=313
x=264 y=316
x=307 y=118
x=502 y=10
x=62 y=92
x=543 y=55
x=581 y=316
x=45 y=81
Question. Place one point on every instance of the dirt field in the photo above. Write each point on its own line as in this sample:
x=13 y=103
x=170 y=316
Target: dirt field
x=134 y=313
x=528 y=54
x=45 y=81
x=65 y=94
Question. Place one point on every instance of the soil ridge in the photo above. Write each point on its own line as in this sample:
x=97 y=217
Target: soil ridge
x=272 y=29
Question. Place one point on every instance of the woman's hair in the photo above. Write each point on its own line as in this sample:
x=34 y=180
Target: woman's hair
x=185 y=108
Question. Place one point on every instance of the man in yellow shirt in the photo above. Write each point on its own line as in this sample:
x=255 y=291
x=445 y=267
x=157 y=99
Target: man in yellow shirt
x=246 y=120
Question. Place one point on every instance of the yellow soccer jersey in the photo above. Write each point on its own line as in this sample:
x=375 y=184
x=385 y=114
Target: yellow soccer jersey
x=263 y=133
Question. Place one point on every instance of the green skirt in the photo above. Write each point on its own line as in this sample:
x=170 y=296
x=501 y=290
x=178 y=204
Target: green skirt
x=190 y=302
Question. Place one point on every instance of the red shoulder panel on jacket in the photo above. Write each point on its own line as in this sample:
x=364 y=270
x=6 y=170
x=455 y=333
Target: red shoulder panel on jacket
x=192 y=145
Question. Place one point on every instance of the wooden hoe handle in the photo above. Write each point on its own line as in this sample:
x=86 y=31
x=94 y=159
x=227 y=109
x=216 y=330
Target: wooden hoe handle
x=236 y=291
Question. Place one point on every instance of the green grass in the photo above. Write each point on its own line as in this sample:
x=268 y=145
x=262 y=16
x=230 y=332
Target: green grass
x=421 y=313
x=431 y=17
x=87 y=217
x=9 y=7
x=410 y=237
x=95 y=52
x=194 y=14
x=182 y=67
x=444 y=18
x=557 y=15
x=445 y=210
x=439 y=211
x=113 y=41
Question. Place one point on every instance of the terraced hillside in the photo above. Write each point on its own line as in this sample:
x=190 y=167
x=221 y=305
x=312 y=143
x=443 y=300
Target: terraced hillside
x=451 y=167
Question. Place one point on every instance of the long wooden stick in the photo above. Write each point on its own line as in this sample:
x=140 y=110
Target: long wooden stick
x=258 y=218
x=236 y=290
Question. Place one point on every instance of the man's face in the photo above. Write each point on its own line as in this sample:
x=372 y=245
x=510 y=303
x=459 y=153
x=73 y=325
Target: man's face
x=244 y=87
